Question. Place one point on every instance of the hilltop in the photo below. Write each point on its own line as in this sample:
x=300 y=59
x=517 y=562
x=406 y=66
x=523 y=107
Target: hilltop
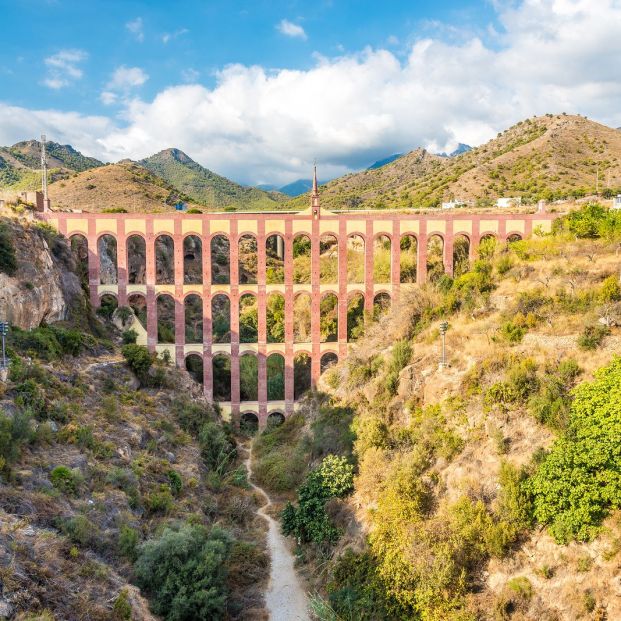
x=549 y=157
x=206 y=187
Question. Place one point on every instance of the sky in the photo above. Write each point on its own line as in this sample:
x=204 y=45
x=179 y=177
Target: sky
x=257 y=91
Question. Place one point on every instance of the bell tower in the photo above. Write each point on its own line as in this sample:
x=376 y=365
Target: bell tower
x=315 y=207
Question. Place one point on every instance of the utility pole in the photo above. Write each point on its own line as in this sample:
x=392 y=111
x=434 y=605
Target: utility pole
x=443 y=329
x=4 y=330
x=43 y=167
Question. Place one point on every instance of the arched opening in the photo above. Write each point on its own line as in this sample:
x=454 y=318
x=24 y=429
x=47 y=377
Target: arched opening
x=165 y=319
x=435 y=258
x=275 y=260
x=355 y=259
x=328 y=260
x=328 y=360
x=355 y=316
x=248 y=319
x=79 y=249
x=192 y=260
x=275 y=419
x=302 y=260
x=514 y=237
x=221 y=318
x=220 y=260
x=487 y=246
x=136 y=260
x=138 y=304
x=302 y=318
x=275 y=377
x=275 y=318
x=108 y=272
x=248 y=377
x=249 y=423
x=408 y=257
x=164 y=260
x=301 y=374
x=107 y=305
x=381 y=259
x=193 y=305
x=194 y=366
x=461 y=255
x=381 y=305
x=221 y=370
x=329 y=318
x=248 y=259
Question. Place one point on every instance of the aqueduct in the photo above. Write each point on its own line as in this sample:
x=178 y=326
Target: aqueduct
x=246 y=297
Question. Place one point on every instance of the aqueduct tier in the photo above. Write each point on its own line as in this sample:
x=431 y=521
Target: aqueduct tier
x=257 y=305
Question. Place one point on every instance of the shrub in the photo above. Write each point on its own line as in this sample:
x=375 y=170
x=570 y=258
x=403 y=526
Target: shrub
x=66 y=480
x=139 y=361
x=217 y=447
x=15 y=432
x=190 y=415
x=175 y=482
x=610 y=290
x=511 y=332
x=122 y=609
x=160 y=501
x=82 y=531
x=8 y=260
x=129 y=336
x=128 y=542
x=183 y=573
x=592 y=336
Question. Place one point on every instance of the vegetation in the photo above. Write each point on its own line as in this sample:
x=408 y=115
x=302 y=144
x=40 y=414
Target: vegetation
x=8 y=260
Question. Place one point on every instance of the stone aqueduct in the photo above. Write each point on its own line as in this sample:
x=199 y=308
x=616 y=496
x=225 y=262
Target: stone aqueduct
x=315 y=224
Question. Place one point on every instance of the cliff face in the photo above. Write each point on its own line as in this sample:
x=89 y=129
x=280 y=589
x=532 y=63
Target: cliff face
x=45 y=287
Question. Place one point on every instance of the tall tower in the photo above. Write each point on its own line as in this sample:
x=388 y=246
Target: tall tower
x=316 y=208
x=43 y=168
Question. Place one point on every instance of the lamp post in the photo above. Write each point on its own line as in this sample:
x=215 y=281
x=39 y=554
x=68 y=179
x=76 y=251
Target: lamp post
x=443 y=329
x=4 y=330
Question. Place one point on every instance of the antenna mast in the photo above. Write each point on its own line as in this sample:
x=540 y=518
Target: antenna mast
x=43 y=168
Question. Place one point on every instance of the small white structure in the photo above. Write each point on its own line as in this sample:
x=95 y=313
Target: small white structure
x=514 y=201
x=453 y=204
x=616 y=202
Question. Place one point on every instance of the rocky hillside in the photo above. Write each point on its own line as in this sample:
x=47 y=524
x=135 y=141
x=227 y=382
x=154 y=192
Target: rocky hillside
x=206 y=187
x=552 y=156
x=122 y=493
x=487 y=490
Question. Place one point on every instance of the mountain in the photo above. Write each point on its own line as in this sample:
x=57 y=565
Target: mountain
x=461 y=148
x=550 y=157
x=206 y=187
x=296 y=188
x=125 y=185
x=386 y=160
x=20 y=164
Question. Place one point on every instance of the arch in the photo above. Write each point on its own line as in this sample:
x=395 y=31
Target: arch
x=329 y=359
x=164 y=260
x=275 y=318
x=302 y=259
x=221 y=374
x=248 y=319
x=408 y=258
x=192 y=260
x=301 y=374
x=381 y=304
x=193 y=310
x=275 y=377
x=329 y=318
x=355 y=258
x=328 y=259
x=248 y=258
x=220 y=248
x=487 y=245
x=461 y=254
x=514 y=237
x=249 y=423
x=355 y=315
x=435 y=257
x=248 y=377
x=275 y=419
x=107 y=305
x=79 y=250
x=275 y=260
x=221 y=318
x=194 y=366
x=136 y=260
x=108 y=265
x=165 y=305
x=138 y=303
x=302 y=309
x=381 y=258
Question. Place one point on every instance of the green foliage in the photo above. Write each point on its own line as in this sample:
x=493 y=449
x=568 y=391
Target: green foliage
x=175 y=482
x=15 y=432
x=579 y=482
x=183 y=572
x=190 y=415
x=129 y=336
x=217 y=447
x=610 y=290
x=592 y=336
x=50 y=342
x=333 y=478
x=66 y=480
x=82 y=531
x=128 y=542
x=139 y=360
x=511 y=332
x=122 y=608
x=8 y=259
x=159 y=501
x=591 y=221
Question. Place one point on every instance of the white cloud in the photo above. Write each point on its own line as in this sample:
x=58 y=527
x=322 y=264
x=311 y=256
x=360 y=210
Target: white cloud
x=136 y=27
x=290 y=29
x=190 y=75
x=125 y=78
x=257 y=124
x=63 y=68
x=169 y=36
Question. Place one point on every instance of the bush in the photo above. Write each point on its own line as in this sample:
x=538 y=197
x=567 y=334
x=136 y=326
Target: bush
x=592 y=336
x=50 y=342
x=15 y=432
x=122 y=609
x=183 y=572
x=139 y=360
x=175 y=482
x=217 y=447
x=66 y=480
x=128 y=542
x=611 y=290
x=129 y=336
x=8 y=260
x=190 y=415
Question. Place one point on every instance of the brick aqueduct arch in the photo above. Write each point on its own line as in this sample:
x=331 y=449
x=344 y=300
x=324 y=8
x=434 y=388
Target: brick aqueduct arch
x=314 y=223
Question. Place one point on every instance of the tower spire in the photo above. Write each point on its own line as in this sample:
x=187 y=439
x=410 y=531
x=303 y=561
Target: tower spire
x=315 y=193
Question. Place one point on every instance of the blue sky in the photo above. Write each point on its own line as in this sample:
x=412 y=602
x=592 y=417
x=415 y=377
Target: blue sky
x=258 y=90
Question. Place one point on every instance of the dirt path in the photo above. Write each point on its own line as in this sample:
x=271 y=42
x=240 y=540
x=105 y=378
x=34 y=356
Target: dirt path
x=285 y=598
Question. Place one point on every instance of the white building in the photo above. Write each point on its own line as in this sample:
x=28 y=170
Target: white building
x=515 y=201
x=616 y=202
x=453 y=204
